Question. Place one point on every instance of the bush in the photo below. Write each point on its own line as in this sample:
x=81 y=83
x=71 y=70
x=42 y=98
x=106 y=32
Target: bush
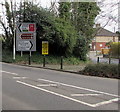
x=102 y=70
x=81 y=48
x=115 y=48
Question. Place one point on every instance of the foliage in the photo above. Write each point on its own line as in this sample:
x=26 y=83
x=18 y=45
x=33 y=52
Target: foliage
x=64 y=10
x=59 y=32
x=115 y=48
x=102 y=70
x=65 y=37
x=81 y=48
x=37 y=58
x=83 y=15
x=9 y=30
x=75 y=22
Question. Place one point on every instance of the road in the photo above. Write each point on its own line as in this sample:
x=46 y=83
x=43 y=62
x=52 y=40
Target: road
x=27 y=88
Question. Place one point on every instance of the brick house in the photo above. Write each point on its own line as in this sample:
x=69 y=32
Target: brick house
x=102 y=37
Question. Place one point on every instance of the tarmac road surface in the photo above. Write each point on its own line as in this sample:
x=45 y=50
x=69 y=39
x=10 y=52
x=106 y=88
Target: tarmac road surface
x=28 y=88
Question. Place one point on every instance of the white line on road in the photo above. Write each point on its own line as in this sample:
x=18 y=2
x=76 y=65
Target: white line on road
x=57 y=94
x=9 y=73
x=85 y=94
x=19 y=77
x=106 y=102
x=47 y=85
x=66 y=97
x=109 y=94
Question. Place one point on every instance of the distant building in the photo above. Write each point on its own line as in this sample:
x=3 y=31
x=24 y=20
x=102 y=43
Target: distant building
x=102 y=37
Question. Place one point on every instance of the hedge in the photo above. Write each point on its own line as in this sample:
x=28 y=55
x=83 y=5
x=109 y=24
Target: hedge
x=102 y=70
x=115 y=48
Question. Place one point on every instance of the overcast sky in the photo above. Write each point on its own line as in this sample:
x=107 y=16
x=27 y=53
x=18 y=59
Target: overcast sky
x=109 y=12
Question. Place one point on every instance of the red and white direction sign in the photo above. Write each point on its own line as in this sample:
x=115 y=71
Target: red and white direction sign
x=27 y=27
x=25 y=45
x=26 y=37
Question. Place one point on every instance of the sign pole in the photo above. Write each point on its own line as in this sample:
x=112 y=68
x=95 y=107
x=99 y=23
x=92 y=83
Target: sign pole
x=44 y=61
x=21 y=53
x=14 y=46
x=29 y=59
x=14 y=32
x=30 y=53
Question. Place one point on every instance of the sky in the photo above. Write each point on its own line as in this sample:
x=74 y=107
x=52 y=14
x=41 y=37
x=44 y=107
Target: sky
x=108 y=17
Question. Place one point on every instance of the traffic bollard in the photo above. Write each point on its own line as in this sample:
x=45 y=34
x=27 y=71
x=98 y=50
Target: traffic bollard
x=98 y=59
x=61 y=67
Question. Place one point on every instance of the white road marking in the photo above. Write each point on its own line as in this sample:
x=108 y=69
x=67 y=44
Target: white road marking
x=47 y=85
x=54 y=93
x=109 y=94
x=85 y=94
x=9 y=72
x=66 y=97
x=106 y=102
x=19 y=77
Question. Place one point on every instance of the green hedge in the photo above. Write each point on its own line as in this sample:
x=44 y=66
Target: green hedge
x=115 y=48
x=102 y=70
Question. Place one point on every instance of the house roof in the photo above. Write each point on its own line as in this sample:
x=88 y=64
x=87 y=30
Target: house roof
x=104 y=32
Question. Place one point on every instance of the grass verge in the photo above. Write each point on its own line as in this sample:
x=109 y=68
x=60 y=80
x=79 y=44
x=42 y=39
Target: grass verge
x=37 y=58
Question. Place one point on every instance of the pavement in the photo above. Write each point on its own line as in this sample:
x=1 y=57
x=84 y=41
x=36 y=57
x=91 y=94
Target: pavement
x=30 y=88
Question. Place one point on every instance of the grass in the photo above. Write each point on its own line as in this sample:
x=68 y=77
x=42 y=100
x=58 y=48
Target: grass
x=37 y=58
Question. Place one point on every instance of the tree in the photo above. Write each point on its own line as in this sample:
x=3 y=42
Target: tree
x=59 y=32
x=64 y=10
x=9 y=29
x=83 y=16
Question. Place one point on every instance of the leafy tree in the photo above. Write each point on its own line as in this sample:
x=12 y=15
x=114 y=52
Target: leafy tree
x=9 y=30
x=59 y=32
x=64 y=10
x=83 y=16
x=65 y=36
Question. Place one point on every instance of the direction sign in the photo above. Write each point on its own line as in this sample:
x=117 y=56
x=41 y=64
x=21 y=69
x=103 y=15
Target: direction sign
x=26 y=27
x=44 y=47
x=24 y=45
x=26 y=37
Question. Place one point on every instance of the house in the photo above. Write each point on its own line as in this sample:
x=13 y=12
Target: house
x=102 y=37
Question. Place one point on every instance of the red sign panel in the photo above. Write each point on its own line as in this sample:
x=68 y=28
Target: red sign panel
x=27 y=36
x=31 y=27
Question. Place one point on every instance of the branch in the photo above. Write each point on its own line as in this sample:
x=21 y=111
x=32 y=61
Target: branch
x=5 y=29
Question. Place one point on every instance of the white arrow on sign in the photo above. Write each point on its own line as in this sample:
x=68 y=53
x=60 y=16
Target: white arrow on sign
x=25 y=45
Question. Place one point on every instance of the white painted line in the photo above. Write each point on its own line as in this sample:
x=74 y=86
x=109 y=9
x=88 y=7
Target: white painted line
x=9 y=72
x=47 y=85
x=19 y=77
x=109 y=94
x=85 y=94
x=57 y=94
x=106 y=102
